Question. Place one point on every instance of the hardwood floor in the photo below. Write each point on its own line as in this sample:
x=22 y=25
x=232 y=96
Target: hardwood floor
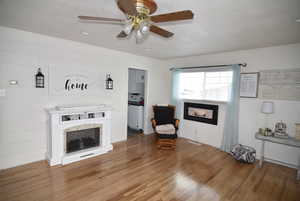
x=136 y=170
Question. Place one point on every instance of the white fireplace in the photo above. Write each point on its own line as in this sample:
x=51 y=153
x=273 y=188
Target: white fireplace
x=77 y=133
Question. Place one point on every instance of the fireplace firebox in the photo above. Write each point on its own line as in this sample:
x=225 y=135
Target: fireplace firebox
x=201 y=112
x=82 y=137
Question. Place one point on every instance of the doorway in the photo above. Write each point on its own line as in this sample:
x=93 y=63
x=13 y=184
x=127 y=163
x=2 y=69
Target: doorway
x=136 y=101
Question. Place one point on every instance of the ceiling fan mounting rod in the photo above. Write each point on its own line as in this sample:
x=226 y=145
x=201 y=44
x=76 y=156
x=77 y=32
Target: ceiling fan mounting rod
x=146 y=6
x=142 y=9
x=142 y=6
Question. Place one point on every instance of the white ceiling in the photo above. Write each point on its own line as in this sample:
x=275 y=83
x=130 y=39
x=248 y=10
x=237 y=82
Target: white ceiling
x=219 y=25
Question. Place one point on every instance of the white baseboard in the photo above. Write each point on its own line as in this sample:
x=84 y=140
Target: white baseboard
x=18 y=160
x=148 y=131
x=279 y=162
x=257 y=156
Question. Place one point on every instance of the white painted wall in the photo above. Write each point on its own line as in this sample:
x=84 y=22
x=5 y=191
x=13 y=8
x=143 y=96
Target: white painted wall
x=202 y=132
x=23 y=122
x=279 y=57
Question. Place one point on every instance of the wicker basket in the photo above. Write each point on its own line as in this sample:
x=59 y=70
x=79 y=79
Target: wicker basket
x=297 y=136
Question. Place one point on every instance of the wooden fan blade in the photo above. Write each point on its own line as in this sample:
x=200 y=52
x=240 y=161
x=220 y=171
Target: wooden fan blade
x=168 y=17
x=122 y=34
x=160 y=31
x=128 y=7
x=104 y=19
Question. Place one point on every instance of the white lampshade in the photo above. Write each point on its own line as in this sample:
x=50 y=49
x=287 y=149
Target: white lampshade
x=267 y=107
x=145 y=27
x=139 y=36
x=128 y=28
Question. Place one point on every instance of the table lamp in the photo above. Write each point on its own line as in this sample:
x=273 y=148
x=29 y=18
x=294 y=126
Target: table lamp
x=267 y=108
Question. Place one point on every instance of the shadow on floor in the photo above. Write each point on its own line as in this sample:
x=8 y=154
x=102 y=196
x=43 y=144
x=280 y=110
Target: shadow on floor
x=132 y=132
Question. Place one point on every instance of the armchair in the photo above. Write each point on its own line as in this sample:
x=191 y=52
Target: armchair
x=165 y=126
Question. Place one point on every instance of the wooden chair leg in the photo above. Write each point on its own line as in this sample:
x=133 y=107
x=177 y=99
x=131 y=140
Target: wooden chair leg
x=166 y=143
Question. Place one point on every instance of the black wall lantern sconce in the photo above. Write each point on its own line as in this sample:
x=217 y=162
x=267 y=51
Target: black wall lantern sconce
x=109 y=82
x=39 y=79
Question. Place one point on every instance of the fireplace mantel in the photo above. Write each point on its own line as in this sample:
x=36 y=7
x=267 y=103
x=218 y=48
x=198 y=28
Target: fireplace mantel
x=62 y=118
x=64 y=109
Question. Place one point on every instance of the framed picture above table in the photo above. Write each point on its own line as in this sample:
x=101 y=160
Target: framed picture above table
x=249 y=85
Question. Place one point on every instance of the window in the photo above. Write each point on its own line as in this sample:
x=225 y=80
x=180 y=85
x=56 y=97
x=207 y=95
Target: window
x=213 y=86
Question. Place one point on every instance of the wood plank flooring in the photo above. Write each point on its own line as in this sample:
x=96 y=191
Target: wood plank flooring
x=137 y=171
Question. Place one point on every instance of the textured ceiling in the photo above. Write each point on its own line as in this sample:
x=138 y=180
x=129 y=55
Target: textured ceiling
x=219 y=25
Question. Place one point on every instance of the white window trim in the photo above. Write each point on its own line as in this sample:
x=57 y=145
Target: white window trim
x=204 y=100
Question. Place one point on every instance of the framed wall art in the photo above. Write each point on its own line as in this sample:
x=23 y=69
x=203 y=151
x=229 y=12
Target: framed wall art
x=249 y=85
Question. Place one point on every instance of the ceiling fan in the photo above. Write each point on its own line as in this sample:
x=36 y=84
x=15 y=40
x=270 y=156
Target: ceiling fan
x=138 y=18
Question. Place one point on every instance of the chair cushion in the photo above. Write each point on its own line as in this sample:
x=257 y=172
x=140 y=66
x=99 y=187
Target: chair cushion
x=168 y=129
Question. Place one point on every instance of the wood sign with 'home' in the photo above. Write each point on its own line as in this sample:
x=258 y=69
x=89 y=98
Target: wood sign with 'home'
x=75 y=84
x=78 y=82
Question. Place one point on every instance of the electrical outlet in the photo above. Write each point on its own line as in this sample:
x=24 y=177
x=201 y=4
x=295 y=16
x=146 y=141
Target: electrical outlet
x=2 y=92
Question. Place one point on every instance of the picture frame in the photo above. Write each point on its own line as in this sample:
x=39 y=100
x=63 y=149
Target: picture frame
x=249 y=85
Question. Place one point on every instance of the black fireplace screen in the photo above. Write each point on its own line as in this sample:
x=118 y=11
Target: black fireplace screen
x=82 y=139
x=201 y=112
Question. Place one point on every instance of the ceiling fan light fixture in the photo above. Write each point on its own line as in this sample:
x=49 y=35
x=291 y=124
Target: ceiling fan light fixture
x=139 y=34
x=128 y=28
x=139 y=19
x=145 y=28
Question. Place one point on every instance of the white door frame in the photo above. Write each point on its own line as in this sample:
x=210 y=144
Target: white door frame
x=146 y=94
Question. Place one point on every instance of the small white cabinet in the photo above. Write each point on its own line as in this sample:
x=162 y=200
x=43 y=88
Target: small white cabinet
x=136 y=80
x=140 y=76
x=135 y=117
x=131 y=81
